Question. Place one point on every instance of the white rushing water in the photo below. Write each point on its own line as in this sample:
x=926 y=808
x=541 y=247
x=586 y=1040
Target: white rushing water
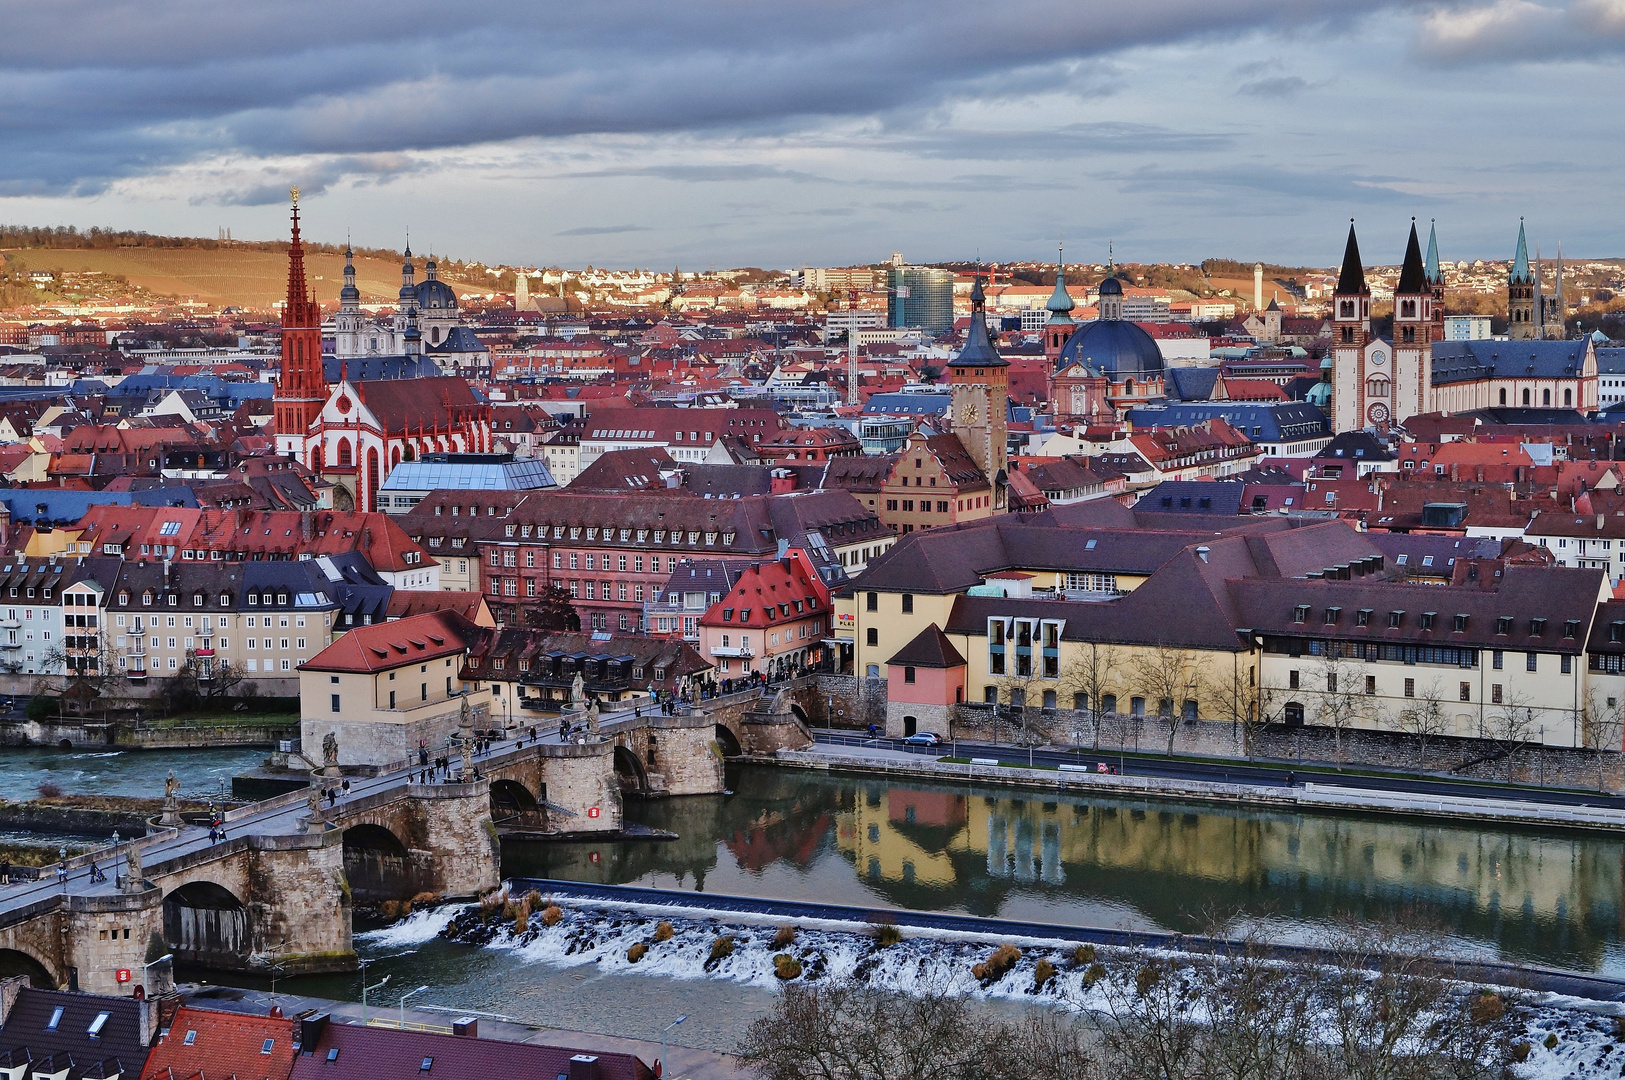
x=601 y=934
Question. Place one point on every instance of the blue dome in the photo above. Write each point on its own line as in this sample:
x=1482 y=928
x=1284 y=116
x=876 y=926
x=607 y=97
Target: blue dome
x=1111 y=287
x=436 y=295
x=1118 y=348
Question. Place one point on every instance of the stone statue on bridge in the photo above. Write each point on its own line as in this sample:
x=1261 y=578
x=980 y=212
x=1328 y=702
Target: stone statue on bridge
x=578 y=692
x=132 y=868
x=592 y=717
x=330 y=753
x=172 y=806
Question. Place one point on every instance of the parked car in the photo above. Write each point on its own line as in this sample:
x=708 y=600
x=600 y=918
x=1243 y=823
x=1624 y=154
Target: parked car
x=924 y=738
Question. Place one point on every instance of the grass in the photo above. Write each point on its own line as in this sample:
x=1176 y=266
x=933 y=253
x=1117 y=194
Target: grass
x=226 y=719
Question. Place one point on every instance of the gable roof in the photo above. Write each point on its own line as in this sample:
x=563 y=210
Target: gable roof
x=384 y=646
x=28 y=1036
x=1464 y=361
x=930 y=648
x=205 y=1044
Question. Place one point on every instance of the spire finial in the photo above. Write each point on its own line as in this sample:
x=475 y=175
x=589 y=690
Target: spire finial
x=293 y=193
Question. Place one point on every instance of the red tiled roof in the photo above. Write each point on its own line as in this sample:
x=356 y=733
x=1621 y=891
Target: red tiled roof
x=222 y=1044
x=384 y=646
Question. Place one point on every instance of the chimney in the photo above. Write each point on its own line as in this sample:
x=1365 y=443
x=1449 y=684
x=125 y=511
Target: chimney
x=310 y=1031
x=467 y=1026
x=1202 y=551
x=585 y=1067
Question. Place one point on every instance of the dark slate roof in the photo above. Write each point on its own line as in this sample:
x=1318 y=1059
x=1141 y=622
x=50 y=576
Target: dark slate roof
x=55 y=504
x=1193 y=497
x=117 y=1049
x=1356 y=446
x=1351 y=282
x=461 y=340
x=929 y=649
x=908 y=404
x=978 y=350
x=727 y=481
x=1424 y=552
x=1412 y=276
x=1260 y=421
x=1191 y=383
x=1610 y=360
x=371 y=368
x=1465 y=361
x=369 y=1053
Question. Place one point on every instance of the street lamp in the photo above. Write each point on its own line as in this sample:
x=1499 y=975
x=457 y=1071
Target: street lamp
x=663 y=1031
x=365 y=988
x=164 y=959
x=409 y=993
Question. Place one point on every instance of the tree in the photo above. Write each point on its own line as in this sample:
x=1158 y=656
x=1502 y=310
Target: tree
x=551 y=611
x=203 y=679
x=1090 y=679
x=1602 y=725
x=1168 y=677
x=1337 y=706
x=1426 y=719
x=1511 y=725
x=1236 y=698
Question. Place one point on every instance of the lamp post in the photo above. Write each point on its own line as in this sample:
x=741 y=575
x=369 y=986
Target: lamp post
x=365 y=988
x=154 y=963
x=409 y=993
x=663 y=1031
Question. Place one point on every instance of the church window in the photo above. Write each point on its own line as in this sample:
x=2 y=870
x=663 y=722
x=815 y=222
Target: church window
x=1526 y=399
x=345 y=454
x=1546 y=397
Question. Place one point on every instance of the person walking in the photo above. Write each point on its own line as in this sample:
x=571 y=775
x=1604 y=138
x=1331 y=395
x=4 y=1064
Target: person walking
x=5 y=871
x=62 y=874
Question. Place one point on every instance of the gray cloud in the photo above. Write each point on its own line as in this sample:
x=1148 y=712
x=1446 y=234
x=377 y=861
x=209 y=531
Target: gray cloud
x=150 y=85
x=603 y=230
x=1492 y=31
x=1277 y=87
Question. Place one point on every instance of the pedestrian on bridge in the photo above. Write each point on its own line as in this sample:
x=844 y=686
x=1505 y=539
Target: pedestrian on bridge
x=5 y=871
x=62 y=874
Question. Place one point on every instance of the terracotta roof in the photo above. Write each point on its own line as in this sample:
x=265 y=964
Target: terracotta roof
x=209 y=1044
x=413 y=404
x=405 y=603
x=384 y=646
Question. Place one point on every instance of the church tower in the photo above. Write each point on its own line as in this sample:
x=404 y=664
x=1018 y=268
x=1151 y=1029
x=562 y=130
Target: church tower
x=1351 y=331
x=1435 y=280
x=1060 y=325
x=1521 y=324
x=978 y=382
x=301 y=388
x=406 y=307
x=1411 y=373
x=1554 y=312
x=348 y=323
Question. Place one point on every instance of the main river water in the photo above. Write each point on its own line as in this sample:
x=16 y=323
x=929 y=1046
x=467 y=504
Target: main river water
x=1545 y=897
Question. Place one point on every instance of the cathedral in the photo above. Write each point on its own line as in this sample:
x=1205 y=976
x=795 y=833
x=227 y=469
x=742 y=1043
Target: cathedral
x=426 y=323
x=1101 y=369
x=1532 y=315
x=1379 y=381
x=353 y=433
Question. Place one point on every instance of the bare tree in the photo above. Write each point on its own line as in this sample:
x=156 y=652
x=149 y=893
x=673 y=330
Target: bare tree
x=1602 y=725
x=1426 y=719
x=1093 y=676
x=1337 y=706
x=207 y=679
x=1235 y=696
x=1168 y=677
x=1512 y=724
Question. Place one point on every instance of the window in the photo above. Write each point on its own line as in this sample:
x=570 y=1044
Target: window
x=872 y=602
x=1503 y=625
x=1292 y=679
x=1427 y=620
x=908 y=674
x=1495 y=693
x=96 y=1025
x=1362 y=617
x=1410 y=687
x=1531 y=661
x=1394 y=619
x=873 y=637
x=1466 y=691
x=908 y=604
x=1370 y=685
x=1300 y=613
x=1331 y=682
x=1568 y=664
x=335 y=698
x=1496 y=659
x=191 y=1036
x=265 y=1047
x=1461 y=624
x=56 y=1018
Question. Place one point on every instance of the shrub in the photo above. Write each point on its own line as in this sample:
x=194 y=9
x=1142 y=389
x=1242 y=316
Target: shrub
x=424 y=898
x=886 y=935
x=48 y=790
x=722 y=946
x=510 y=911
x=785 y=936
x=998 y=962
x=406 y=908
x=1487 y=1008
x=1043 y=973
x=1551 y=1041
x=534 y=899
x=390 y=909
x=1083 y=955
x=1146 y=978
x=786 y=967
x=1095 y=973
x=521 y=917
x=1520 y=1052
x=551 y=915
x=635 y=953
x=663 y=931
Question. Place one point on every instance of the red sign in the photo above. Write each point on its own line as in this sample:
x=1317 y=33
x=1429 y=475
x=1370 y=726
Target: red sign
x=123 y=975
x=593 y=811
x=592 y=856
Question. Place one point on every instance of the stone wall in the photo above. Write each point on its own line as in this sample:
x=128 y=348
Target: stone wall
x=1469 y=758
x=130 y=921
x=378 y=742
x=298 y=895
x=765 y=733
x=686 y=759
x=453 y=826
x=846 y=701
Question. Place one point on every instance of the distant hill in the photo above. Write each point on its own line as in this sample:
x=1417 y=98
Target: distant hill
x=248 y=275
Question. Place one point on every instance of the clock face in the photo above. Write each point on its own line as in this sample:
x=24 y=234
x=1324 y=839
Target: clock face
x=1379 y=357
x=970 y=413
x=1377 y=413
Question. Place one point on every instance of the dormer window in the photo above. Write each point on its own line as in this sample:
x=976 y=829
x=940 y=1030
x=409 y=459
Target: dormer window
x=1461 y=624
x=1332 y=615
x=1362 y=617
x=1571 y=627
x=1503 y=625
x=1394 y=619
x=1427 y=619
x=1616 y=631
x=1300 y=613
x=1537 y=627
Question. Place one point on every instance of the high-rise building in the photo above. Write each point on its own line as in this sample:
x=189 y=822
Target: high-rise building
x=919 y=298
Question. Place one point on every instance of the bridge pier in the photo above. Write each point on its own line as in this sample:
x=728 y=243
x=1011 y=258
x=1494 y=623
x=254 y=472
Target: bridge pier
x=299 y=902
x=455 y=850
x=104 y=933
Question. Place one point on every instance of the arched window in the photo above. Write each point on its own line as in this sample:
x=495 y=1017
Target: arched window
x=1128 y=388
x=1503 y=396
x=1568 y=399
x=1526 y=399
x=1376 y=387
x=346 y=456
x=1546 y=398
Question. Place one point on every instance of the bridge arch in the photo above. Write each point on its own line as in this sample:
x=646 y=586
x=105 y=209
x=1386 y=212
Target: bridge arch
x=727 y=741
x=206 y=924
x=376 y=864
x=800 y=713
x=629 y=771
x=14 y=962
x=513 y=801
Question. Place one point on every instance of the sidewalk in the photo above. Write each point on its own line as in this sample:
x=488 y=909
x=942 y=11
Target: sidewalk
x=685 y=1063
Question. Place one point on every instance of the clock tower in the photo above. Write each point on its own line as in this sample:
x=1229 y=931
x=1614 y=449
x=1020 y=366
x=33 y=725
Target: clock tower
x=1411 y=378
x=978 y=384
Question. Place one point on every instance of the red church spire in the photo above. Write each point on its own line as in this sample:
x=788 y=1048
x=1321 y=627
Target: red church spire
x=302 y=387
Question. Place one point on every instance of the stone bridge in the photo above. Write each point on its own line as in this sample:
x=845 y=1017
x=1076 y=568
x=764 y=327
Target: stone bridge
x=278 y=892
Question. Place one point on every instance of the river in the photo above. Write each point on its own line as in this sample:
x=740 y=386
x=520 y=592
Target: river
x=139 y=773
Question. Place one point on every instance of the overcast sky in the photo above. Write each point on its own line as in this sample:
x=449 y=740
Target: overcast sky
x=744 y=132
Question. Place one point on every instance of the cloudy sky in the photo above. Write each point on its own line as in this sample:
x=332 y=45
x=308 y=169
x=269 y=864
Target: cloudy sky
x=775 y=133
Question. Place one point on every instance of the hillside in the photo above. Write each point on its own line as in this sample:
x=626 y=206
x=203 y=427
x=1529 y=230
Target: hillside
x=232 y=276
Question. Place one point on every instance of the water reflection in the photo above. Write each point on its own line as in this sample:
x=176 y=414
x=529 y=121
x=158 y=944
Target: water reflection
x=1551 y=898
